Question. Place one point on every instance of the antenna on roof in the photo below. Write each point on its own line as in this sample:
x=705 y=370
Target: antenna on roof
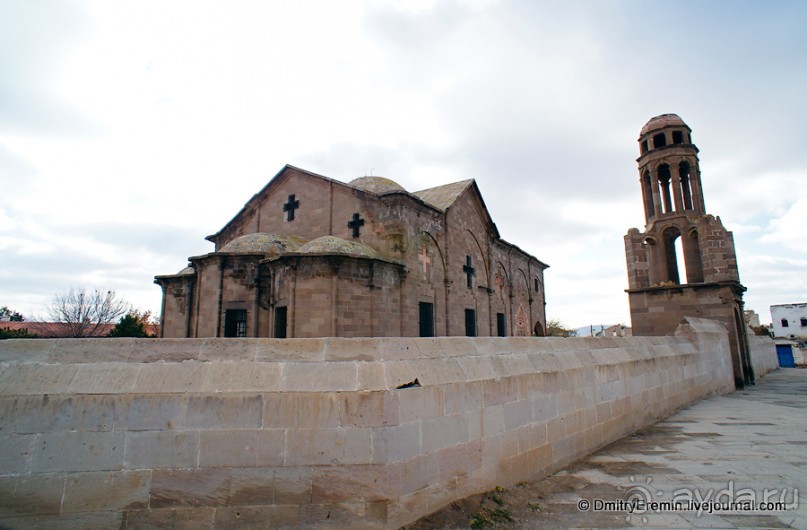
x=371 y=171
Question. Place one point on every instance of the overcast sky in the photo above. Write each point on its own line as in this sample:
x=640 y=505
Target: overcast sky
x=131 y=130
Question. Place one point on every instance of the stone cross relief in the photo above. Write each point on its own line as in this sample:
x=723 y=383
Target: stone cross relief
x=290 y=206
x=424 y=259
x=355 y=224
x=469 y=270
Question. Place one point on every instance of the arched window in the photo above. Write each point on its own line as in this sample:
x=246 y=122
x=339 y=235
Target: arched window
x=784 y=323
x=659 y=140
x=686 y=184
x=644 y=147
x=647 y=190
x=678 y=137
x=664 y=188
x=671 y=235
x=692 y=258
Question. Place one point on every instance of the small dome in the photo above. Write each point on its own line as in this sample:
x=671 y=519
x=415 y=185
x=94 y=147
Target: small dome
x=337 y=245
x=659 y=122
x=377 y=185
x=270 y=245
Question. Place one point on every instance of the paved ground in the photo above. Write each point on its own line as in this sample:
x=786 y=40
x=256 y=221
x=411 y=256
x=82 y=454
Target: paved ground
x=734 y=447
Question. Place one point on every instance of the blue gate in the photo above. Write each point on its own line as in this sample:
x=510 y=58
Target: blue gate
x=785 y=354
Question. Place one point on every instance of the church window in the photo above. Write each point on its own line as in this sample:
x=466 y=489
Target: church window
x=355 y=224
x=426 y=319
x=235 y=323
x=686 y=190
x=470 y=323
x=784 y=323
x=659 y=140
x=644 y=147
x=678 y=137
x=647 y=190
x=537 y=286
x=290 y=206
x=803 y=322
x=501 y=325
x=281 y=322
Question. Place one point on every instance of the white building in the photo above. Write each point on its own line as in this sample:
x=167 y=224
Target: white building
x=789 y=321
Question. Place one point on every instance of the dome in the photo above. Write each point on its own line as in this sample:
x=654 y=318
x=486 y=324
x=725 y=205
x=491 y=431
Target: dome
x=187 y=271
x=337 y=245
x=270 y=245
x=377 y=185
x=664 y=120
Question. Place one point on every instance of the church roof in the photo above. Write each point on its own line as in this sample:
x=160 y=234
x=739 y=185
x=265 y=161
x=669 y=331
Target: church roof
x=378 y=185
x=329 y=245
x=271 y=245
x=442 y=197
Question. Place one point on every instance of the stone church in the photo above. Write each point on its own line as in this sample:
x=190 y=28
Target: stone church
x=679 y=231
x=309 y=256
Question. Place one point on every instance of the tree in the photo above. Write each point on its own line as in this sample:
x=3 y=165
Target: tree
x=83 y=313
x=10 y=314
x=554 y=328
x=132 y=324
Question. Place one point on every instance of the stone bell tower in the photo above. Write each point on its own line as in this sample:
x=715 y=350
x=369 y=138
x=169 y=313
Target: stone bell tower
x=677 y=227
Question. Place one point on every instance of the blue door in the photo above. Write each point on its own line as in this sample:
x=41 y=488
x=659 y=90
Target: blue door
x=785 y=354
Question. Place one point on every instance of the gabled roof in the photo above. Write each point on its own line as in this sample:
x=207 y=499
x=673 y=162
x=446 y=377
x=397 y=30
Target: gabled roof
x=442 y=197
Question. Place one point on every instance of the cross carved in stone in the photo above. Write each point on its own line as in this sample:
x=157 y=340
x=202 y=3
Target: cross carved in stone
x=355 y=224
x=290 y=206
x=423 y=258
x=469 y=271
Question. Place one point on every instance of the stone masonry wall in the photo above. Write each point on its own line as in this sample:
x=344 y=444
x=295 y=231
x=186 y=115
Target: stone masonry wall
x=266 y=433
x=763 y=354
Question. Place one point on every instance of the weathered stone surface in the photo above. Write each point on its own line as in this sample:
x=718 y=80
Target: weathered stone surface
x=221 y=411
x=139 y=412
x=15 y=456
x=175 y=518
x=301 y=409
x=33 y=494
x=104 y=378
x=368 y=409
x=328 y=446
x=325 y=376
x=242 y=377
x=121 y=490
x=36 y=379
x=193 y=487
x=39 y=414
x=78 y=451
x=170 y=377
x=161 y=449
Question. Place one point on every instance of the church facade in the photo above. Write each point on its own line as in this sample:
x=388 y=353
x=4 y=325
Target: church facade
x=309 y=256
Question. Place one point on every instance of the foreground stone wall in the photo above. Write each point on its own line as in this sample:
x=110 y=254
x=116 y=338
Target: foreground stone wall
x=266 y=433
x=763 y=354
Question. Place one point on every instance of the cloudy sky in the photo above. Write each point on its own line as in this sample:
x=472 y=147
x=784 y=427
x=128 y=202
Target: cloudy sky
x=131 y=130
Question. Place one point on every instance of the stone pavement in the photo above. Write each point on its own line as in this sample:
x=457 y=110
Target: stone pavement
x=736 y=446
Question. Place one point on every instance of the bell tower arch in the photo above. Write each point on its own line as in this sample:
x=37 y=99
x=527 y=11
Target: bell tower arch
x=683 y=263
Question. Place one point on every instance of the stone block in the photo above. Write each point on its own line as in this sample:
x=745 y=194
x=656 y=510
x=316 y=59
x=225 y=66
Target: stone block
x=105 y=378
x=368 y=409
x=161 y=378
x=26 y=350
x=36 y=379
x=78 y=520
x=292 y=485
x=396 y=442
x=492 y=420
x=419 y=472
x=106 y=491
x=325 y=376
x=78 y=451
x=15 y=456
x=227 y=350
x=372 y=376
x=242 y=377
x=517 y=414
x=331 y=484
x=31 y=495
x=278 y=350
x=241 y=448
x=439 y=433
x=223 y=411
x=351 y=349
x=399 y=349
x=463 y=397
x=300 y=409
x=253 y=486
x=161 y=449
x=150 y=412
x=399 y=373
x=175 y=518
x=68 y=351
x=328 y=446
x=190 y=487
x=339 y=515
x=477 y=368
x=165 y=350
x=499 y=391
x=419 y=403
x=248 y=517
x=36 y=414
